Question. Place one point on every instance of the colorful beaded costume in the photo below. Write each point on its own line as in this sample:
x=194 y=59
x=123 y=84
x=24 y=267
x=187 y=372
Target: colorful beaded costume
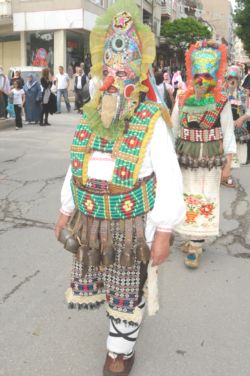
x=109 y=222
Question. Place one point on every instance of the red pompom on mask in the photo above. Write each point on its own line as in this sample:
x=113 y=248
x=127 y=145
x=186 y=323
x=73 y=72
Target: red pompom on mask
x=108 y=81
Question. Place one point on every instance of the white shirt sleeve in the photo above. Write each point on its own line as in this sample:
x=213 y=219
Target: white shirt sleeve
x=175 y=119
x=227 y=126
x=67 y=202
x=169 y=208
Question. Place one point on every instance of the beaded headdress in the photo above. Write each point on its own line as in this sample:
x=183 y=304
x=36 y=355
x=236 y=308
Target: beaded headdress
x=233 y=71
x=120 y=38
x=206 y=58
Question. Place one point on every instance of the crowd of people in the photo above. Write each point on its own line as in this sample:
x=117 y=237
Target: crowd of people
x=35 y=99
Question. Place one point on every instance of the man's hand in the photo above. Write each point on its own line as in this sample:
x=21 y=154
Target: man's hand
x=239 y=122
x=61 y=223
x=160 y=247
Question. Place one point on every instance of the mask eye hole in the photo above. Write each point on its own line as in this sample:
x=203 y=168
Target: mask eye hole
x=105 y=72
x=118 y=43
x=121 y=74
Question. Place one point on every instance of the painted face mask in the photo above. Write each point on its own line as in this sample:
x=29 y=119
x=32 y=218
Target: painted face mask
x=205 y=67
x=233 y=77
x=121 y=67
x=122 y=50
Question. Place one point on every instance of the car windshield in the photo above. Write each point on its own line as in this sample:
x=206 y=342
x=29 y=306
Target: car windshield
x=25 y=74
x=36 y=75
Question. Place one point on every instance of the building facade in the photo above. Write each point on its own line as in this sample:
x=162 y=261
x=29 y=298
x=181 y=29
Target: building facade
x=55 y=32
x=219 y=14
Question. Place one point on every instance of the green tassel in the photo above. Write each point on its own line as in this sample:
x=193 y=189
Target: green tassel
x=205 y=151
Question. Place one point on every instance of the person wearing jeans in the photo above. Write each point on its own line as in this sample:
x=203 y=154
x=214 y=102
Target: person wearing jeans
x=62 y=83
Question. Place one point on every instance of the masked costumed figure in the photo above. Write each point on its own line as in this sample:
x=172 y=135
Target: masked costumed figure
x=124 y=185
x=237 y=99
x=205 y=143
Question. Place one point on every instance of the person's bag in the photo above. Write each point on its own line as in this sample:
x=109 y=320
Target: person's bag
x=53 y=89
x=52 y=104
x=39 y=97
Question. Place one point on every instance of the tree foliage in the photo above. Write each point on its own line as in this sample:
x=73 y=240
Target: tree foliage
x=242 y=19
x=183 y=31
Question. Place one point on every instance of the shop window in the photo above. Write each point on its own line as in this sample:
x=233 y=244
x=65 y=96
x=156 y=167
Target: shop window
x=40 y=49
x=76 y=47
x=98 y=2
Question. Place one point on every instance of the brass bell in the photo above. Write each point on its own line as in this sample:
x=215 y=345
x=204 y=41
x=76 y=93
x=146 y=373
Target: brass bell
x=70 y=243
x=190 y=162
x=184 y=160
x=64 y=235
x=217 y=161
x=210 y=164
x=142 y=252
x=127 y=257
x=108 y=256
x=93 y=257
x=81 y=253
x=195 y=163
x=203 y=163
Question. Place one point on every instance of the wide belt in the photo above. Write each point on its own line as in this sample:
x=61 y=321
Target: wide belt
x=110 y=206
x=201 y=135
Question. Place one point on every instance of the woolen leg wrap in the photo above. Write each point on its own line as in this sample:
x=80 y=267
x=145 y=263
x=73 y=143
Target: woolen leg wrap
x=122 y=337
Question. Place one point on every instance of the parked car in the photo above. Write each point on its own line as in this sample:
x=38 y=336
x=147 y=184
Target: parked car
x=25 y=72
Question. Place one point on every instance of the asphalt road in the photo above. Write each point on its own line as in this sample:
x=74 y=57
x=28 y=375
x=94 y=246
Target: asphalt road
x=203 y=327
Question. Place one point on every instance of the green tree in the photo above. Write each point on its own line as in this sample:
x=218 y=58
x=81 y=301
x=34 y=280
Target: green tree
x=183 y=31
x=242 y=19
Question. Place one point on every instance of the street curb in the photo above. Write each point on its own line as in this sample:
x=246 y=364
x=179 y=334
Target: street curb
x=8 y=123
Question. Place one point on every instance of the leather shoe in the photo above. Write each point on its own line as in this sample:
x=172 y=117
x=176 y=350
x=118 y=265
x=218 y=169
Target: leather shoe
x=118 y=365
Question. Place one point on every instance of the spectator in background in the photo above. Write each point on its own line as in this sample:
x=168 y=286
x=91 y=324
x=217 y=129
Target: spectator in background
x=164 y=93
x=170 y=90
x=33 y=94
x=79 y=88
x=87 y=64
x=46 y=84
x=94 y=84
x=17 y=76
x=177 y=81
x=18 y=101
x=4 y=92
x=76 y=74
x=62 y=84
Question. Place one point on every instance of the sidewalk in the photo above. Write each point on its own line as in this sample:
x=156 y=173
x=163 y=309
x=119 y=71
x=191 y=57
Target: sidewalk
x=7 y=123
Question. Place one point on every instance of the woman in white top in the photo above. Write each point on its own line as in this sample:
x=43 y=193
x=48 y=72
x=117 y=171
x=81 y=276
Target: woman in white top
x=18 y=101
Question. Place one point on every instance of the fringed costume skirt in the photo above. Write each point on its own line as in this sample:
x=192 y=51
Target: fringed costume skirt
x=119 y=287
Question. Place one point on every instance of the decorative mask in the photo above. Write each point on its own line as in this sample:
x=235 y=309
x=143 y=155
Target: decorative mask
x=233 y=72
x=122 y=50
x=205 y=61
x=121 y=67
x=205 y=65
x=122 y=56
